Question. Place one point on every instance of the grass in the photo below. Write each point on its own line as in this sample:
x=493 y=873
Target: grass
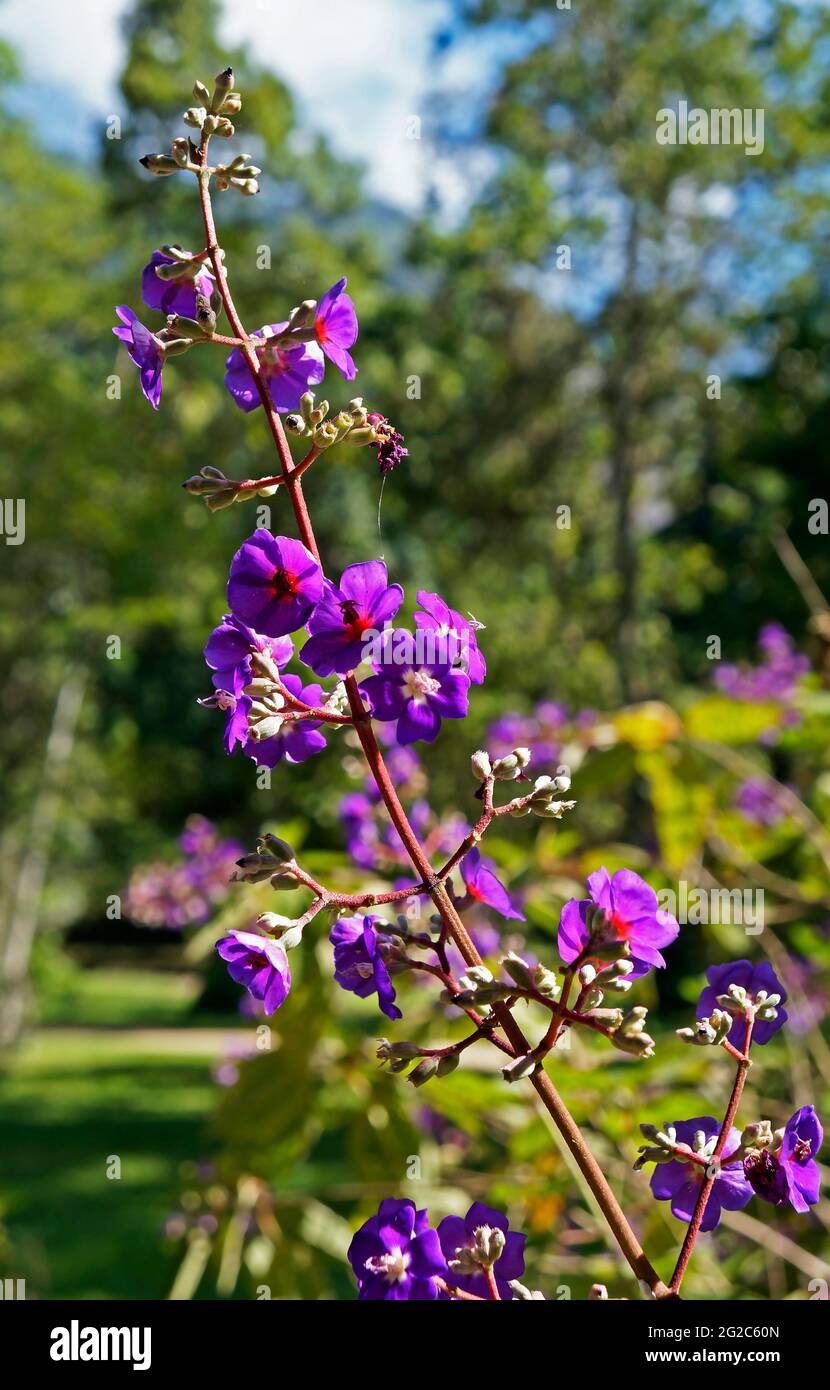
x=132 y=1082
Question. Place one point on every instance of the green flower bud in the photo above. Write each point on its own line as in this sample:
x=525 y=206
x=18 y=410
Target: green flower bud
x=201 y=93
x=545 y=982
x=480 y=764
x=220 y=500
x=424 y=1071
x=362 y=434
x=520 y=1068
x=518 y=970
x=160 y=164
x=277 y=848
x=222 y=86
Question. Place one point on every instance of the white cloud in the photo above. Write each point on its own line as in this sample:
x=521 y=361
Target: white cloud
x=358 y=68
x=78 y=45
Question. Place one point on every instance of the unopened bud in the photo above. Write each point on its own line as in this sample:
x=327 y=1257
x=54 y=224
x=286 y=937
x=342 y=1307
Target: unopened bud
x=277 y=848
x=520 y=1068
x=424 y=1071
x=517 y=969
x=480 y=764
x=160 y=164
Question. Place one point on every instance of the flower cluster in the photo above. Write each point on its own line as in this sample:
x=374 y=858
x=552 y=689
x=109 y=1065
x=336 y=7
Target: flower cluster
x=276 y=588
x=741 y=1005
x=406 y=679
x=188 y=892
x=397 y=1256
x=774 y=678
x=544 y=732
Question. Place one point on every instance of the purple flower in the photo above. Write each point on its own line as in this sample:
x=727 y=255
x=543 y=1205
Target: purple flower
x=232 y=699
x=287 y=371
x=631 y=915
x=335 y=325
x=395 y=1255
x=173 y=296
x=187 y=892
x=358 y=964
x=752 y=978
x=680 y=1183
x=228 y=654
x=417 y=694
x=359 y=829
x=775 y=678
x=258 y=963
x=298 y=739
x=790 y=1173
x=484 y=887
x=274 y=583
x=459 y=1241
x=144 y=350
x=756 y=801
x=230 y=645
x=388 y=442
x=363 y=603
x=457 y=632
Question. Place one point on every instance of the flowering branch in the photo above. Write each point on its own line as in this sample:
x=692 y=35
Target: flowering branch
x=607 y=941
x=713 y=1167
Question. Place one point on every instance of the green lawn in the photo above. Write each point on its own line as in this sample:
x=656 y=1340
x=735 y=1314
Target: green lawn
x=131 y=1081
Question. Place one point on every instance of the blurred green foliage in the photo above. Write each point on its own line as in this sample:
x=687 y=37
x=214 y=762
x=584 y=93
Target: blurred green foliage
x=537 y=389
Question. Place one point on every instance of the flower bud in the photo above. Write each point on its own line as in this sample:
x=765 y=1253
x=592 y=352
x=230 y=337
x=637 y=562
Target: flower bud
x=201 y=93
x=222 y=85
x=476 y=975
x=545 y=982
x=198 y=486
x=360 y=435
x=277 y=848
x=399 y=1051
x=195 y=116
x=524 y=1294
x=518 y=970
x=520 y=1068
x=447 y=1064
x=295 y=424
x=220 y=500
x=160 y=164
x=480 y=764
x=424 y=1071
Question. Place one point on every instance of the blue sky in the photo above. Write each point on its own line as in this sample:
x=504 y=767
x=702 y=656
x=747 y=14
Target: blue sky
x=358 y=68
